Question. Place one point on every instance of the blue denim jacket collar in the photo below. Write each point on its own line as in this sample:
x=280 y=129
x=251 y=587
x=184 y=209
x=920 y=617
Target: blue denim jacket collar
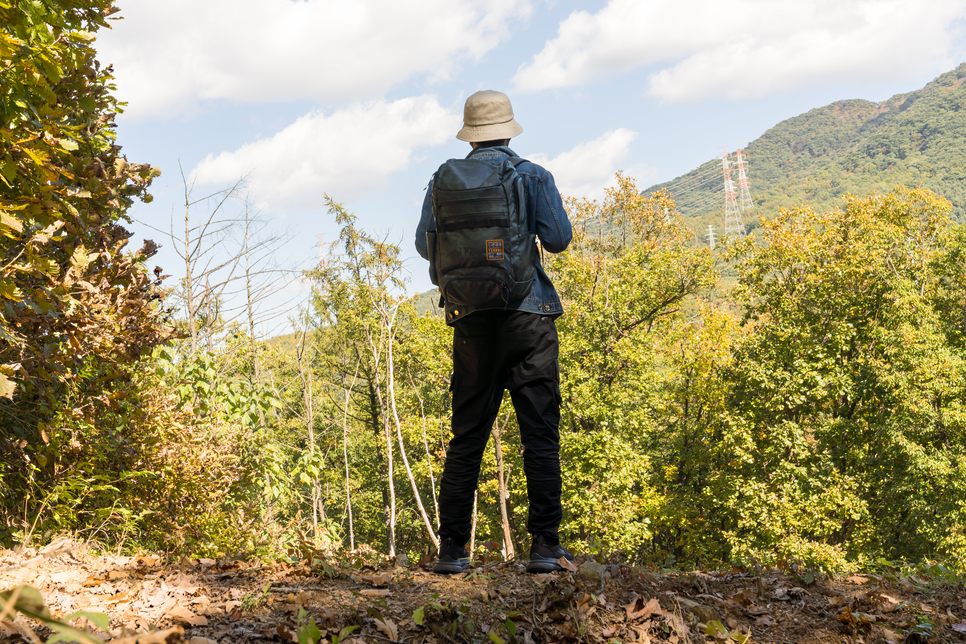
x=496 y=151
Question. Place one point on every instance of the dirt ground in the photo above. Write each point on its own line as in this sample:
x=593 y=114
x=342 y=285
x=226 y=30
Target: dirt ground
x=152 y=601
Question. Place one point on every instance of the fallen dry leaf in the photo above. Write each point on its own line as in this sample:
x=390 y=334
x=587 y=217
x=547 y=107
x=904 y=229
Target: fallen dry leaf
x=959 y=628
x=887 y=604
x=388 y=627
x=566 y=564
x=676 y=623
x=569 y=628
x=66 y=576
x=120 y=598
x=8 y=628
x=857 y=579
x=890 y=636
x=377 y=580
x=285 y=633
x=642 y=635
x=375 y=592
x=653 y=607
x=181 y=614
x=168 y=636
x=744 y=597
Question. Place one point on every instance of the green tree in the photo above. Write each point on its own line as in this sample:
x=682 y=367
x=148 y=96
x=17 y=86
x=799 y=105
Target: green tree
x=847 y=392
x=628 y=272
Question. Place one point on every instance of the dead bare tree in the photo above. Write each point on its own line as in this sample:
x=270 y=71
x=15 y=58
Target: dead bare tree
x=231 y=266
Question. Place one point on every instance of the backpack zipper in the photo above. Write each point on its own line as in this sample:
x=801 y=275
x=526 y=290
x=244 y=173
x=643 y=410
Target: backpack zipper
x=473 y=200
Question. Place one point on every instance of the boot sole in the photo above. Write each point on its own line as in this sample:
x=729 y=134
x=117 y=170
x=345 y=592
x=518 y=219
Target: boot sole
x=450 y=567
x=543 y=564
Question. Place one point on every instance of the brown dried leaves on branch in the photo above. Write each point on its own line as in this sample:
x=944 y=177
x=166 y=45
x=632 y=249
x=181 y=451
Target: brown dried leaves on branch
x=69 y=293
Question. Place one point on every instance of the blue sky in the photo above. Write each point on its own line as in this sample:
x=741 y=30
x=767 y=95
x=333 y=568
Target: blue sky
x=361 y=99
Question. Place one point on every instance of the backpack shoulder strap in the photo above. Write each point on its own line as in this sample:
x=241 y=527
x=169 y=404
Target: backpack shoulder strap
x=531 y=223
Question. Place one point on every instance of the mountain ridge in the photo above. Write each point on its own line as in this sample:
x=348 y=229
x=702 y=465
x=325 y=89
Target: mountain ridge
x=849 y=146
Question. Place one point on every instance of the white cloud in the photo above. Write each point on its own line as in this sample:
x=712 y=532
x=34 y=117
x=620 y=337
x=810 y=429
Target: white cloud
x=589 y=168
x=747 y=48
x=346 y=154
x=170 y=54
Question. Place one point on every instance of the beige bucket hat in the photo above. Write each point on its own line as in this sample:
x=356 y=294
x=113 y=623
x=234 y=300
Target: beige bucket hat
x=488 y=116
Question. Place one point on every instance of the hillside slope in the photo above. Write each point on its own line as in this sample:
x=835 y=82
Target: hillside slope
x=851 y=146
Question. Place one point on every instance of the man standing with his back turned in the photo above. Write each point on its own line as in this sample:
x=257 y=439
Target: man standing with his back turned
x=477 y=229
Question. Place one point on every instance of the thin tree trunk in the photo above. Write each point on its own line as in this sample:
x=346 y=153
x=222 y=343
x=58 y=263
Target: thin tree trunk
x=310 y=412
x=345 y=456
x=309 y=420
x=375 y=396
x=508 y=551
x=402 y=448
x=376 y=349
x=188 y=280
x=379 y=428
x=271 y=382
x=473 y=527
x=209 y=316
x=250 y=310
x=429 y=457
x=391 y=510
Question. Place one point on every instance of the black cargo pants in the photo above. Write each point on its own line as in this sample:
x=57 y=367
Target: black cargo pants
x=494 y=351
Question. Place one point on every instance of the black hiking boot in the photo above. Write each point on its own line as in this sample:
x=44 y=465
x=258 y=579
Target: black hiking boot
x=452 y=558
x=543 y=557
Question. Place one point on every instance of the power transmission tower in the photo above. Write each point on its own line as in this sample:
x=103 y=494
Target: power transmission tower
x=744 y=193
x=711 y=238
x=734 y=226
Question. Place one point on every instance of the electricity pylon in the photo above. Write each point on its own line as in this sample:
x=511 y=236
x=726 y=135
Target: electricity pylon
x=734 y=226
x=744 y=192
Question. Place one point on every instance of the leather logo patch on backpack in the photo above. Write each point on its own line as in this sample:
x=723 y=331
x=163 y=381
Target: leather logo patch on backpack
x=494 y=249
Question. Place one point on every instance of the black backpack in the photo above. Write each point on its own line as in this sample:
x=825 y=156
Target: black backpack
x=483 y=253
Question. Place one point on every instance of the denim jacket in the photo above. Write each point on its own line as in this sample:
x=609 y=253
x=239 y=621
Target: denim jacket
x=543 y=203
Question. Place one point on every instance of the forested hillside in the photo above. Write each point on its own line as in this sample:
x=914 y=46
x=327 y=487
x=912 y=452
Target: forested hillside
x=816 y=413
x=850 y=146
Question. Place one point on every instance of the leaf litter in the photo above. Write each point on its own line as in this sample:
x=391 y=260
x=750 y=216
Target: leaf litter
x=152 y=600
